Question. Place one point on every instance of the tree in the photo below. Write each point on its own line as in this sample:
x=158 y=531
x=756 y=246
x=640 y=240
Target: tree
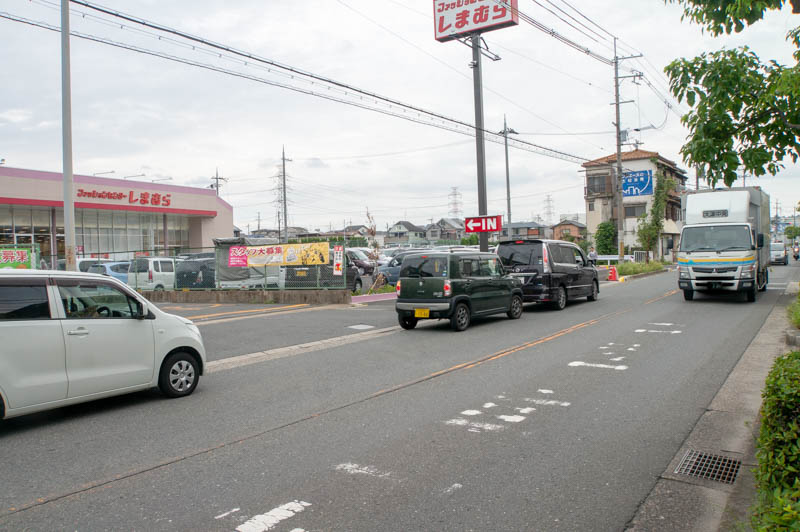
x=651 y=225
x=745 y=113
x=792 y=232
x=605 y=236
x=471 y=240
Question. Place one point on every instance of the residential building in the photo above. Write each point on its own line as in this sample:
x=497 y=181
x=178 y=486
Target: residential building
x=569 y=229
x=445 y=229
x=405 y=233
x=524 y=229
x=640 y=174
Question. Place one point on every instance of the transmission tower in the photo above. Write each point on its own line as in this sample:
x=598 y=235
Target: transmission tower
x=549 y=211
x=454 y=203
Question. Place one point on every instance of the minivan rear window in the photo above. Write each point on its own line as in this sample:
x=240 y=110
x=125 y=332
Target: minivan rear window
x=520 y=254
x=424 y=267
x=140 y=266
x=24 y=301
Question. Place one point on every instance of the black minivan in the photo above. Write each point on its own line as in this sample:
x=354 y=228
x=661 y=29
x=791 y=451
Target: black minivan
x=552 y=271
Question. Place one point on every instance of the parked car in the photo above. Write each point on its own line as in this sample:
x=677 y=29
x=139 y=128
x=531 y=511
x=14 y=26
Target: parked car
x=552 y=271
x=195 y=273
x=71 y=337
x=152 y=273
x=83 y=263
x=778 y=254
x=392 y=269
x=309 y=277
x=117 y=270
x=361 y=260
x=456 y=286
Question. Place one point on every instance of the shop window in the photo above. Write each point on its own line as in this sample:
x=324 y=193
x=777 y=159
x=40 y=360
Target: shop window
x=60 y=222
x=22 y=220
x=41 y=222
x=5 y=220
x=106 y=244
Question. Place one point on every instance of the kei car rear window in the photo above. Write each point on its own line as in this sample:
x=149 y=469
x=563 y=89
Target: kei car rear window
x=424 y=267
x=24 y=300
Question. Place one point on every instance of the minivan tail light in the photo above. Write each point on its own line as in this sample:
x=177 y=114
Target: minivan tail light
x=397 y=287
x=150 y=275
x=545 y=259
x=448 y=288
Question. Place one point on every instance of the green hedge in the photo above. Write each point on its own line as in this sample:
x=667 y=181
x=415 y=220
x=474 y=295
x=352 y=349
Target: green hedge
x=632 y=268
x=778 y=449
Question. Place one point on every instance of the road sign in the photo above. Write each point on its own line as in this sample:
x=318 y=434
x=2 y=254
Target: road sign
x=483 y=224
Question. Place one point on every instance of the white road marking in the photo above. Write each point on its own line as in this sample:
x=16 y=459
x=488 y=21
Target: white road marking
x=631 y=349
x=637 y=345
x=603 y=366
x=603 y=347
x=543 y=402
x=355 y=469
x=610 y=343
x=361 y=327
x=526 y=410
x=656 y=331
x=264 y=522
x=472 y=426
x=471 y=413
x=545 y=391
x=298 y=530
x=453 y=488
x=226 y=514
x=489 y=405
x=616 y=359
x=501 y=397
x=512 y=419
x=666 y=324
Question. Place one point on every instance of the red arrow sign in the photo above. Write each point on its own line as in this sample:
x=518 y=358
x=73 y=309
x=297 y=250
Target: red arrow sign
x=483 y=224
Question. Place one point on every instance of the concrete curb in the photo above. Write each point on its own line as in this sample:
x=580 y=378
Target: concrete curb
x=728 y=428
x=793 y=337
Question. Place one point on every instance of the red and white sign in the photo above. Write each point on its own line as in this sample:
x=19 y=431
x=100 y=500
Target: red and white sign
x=457 y=18
x=143 y=198
x=483 y=224
x=338 y=260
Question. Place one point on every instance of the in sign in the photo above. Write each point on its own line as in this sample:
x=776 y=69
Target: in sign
x=483 y=224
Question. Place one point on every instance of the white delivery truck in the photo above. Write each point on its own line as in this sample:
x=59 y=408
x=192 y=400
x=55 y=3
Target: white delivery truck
x=724 y=242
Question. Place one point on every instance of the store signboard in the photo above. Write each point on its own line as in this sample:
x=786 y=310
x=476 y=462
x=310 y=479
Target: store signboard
x=459 y=18
x=133 y=197
x=14 y=257
x=639 y=183
x=338 y=260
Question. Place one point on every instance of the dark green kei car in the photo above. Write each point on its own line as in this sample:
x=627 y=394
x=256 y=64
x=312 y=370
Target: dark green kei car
x=455 y=286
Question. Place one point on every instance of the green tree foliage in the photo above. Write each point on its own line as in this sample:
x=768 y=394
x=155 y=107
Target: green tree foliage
x=471 y=240
x=651 y=224
x=745 y=113
x=605 y=237
x=792 y=232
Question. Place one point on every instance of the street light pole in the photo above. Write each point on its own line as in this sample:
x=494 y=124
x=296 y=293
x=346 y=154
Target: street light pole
x=479 y=144
x=66 y=135
x=505 y=133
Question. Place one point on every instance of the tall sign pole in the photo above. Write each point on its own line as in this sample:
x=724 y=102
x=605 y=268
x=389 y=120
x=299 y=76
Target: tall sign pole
x=618 y=169
x=480 y=148
x=66 y=134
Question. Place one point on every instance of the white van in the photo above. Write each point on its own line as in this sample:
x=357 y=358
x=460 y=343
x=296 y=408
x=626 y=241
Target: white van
x=152 y=273
x=70 y=337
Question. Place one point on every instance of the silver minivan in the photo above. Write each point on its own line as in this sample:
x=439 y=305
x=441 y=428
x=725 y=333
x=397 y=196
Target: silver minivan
x=152 y=273
x=70 y=337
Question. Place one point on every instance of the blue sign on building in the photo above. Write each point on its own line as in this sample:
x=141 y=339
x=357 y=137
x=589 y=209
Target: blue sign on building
x=639 y=183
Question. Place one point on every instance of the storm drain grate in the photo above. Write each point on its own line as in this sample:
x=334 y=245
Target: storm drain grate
x=709 y=466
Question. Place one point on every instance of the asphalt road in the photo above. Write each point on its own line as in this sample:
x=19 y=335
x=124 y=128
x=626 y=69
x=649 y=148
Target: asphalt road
x=557 y=421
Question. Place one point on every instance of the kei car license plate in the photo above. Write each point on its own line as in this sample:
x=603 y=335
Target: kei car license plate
x=422 y=313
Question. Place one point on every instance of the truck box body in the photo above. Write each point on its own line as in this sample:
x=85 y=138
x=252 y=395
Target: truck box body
x=719 y=241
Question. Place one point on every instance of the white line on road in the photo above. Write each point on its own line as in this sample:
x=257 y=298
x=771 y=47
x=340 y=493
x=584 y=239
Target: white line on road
x=472 y=426
x=453 y=488
x=602 y=366
x=471 y=413
x=525 y=410
x=616 y=359
x=355 y=469
x=545 y=391
x=292 y=350
x=656 y=331
x=264 y=522
x=512 y=419
x=226 y=514
x=489 y=405
x=631 y=349
x=543 y=402
x=361 y=327
x=666 y=324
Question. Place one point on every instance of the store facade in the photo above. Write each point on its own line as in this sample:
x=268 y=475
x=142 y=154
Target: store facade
x=114 y=218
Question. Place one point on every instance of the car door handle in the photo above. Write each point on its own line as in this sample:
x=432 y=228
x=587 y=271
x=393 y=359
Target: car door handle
x=78 y=332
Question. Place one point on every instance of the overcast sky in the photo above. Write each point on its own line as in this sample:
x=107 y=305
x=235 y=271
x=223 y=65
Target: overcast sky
x=134 y=113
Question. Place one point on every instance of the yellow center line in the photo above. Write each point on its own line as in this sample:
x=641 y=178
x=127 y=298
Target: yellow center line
x=659 y=298
x=249 y=311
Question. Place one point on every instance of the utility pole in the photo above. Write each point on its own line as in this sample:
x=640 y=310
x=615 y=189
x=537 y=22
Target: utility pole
x=479 y=143
x=66 y=135
x=217 y=179
x=283 y=176
x=259 y=220
x=618 y=173
x=505 y=133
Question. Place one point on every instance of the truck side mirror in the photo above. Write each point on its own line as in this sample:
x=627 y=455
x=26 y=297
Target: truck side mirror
x=760 y=240
x=670 y=243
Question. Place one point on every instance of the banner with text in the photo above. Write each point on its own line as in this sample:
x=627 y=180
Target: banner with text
x=288 y=254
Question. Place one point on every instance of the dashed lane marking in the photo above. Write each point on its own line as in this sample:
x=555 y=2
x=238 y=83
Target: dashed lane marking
x=602 y=366
x=269 y=520
x=659 y=298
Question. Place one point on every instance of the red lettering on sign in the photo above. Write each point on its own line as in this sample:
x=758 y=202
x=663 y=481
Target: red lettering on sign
x=481 y=15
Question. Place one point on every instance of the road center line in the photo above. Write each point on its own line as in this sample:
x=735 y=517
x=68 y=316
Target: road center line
x=248 y=311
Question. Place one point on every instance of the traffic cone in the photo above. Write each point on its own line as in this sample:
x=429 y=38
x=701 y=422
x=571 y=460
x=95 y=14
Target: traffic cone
x=612 y=273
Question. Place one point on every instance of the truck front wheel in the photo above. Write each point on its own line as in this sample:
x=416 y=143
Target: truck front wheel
x=764 y=278
x=751 y=294
x=688 y=294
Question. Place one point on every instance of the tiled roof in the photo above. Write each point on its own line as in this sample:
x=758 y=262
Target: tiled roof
x=635 y=155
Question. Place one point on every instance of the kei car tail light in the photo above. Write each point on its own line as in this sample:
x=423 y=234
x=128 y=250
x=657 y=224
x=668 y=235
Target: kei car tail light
x=448 y=288
x=150 y=275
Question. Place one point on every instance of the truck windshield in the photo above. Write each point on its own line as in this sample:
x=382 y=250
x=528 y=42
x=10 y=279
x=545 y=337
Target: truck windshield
x=716 y=238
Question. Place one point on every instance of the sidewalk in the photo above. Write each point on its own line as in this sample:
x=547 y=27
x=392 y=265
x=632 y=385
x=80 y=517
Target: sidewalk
x=727 y=429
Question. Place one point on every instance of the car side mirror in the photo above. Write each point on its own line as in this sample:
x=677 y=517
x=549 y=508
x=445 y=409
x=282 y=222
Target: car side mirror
x=760 y=240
